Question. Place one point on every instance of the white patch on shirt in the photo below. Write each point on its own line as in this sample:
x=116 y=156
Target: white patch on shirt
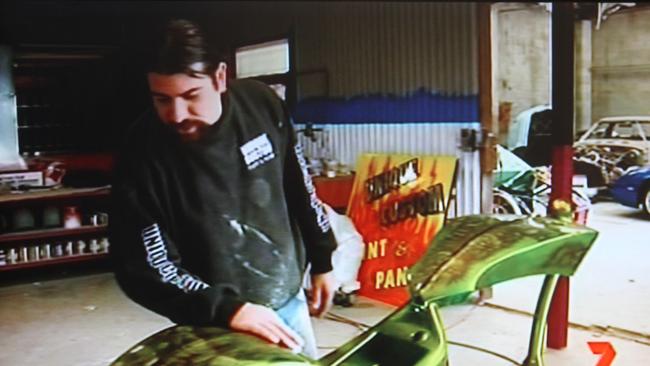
x=257 y=151
x=236 y=226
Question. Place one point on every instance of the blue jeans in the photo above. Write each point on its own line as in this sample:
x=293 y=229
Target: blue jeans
x=295 y=314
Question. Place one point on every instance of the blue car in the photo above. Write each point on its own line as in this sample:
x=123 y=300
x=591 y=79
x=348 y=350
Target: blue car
x=633 y=189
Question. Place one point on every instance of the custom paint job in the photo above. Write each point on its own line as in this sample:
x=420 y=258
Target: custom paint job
x=469 y=253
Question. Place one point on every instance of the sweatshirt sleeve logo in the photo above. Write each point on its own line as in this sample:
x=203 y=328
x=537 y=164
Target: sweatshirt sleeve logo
x=167 y=270
x=316 y=204
x=257 y=151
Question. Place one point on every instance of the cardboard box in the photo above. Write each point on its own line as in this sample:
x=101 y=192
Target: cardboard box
x=16 y=179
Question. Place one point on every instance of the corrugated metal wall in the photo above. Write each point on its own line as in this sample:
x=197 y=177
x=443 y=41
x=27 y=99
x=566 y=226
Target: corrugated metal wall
x=347 y=142
x=353 y=50
x=387 y=48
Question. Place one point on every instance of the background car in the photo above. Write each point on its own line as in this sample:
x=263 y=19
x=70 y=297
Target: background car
x=529 y=136
x=611 y=147
x=522 y=189
x=633 y=189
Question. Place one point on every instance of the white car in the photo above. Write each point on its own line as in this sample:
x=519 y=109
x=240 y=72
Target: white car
x=612 y=146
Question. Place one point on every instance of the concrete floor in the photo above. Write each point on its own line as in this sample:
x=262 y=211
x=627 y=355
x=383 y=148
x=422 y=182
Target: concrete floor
x=86 y=320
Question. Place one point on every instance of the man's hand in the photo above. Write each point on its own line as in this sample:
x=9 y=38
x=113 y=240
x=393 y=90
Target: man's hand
x=323 y=287
x=266 y=324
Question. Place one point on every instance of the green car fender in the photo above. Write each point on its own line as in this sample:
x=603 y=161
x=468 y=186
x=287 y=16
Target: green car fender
x=469 y=253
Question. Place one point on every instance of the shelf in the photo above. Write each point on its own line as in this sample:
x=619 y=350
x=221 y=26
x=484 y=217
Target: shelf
x=52 y=233
x=39 y=202
x=54 y=194
x=53 y=261
x=49 y=125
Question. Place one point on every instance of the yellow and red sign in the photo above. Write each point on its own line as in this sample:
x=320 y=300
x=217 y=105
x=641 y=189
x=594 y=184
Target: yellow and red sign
x=398 y=204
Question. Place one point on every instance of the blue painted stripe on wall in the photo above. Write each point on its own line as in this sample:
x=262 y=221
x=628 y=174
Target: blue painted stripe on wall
x=421 y=106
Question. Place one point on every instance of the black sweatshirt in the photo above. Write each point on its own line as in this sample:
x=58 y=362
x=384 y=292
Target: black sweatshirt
x=199 y=228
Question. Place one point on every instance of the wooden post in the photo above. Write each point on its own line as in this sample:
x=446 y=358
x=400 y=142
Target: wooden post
x=487 y=150
x=562 y=86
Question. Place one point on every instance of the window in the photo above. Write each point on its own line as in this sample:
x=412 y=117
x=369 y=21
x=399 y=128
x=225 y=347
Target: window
x=263 y=59
x=629 y=130
x=268 y=62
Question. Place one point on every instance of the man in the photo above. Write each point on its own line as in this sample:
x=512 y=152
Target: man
x=215 y=216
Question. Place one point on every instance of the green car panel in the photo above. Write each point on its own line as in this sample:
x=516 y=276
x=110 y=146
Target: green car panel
x=472 y=252
x=213 y=346
x=469 y=253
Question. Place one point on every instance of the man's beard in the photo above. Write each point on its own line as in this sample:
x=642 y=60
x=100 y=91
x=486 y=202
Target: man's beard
x=191 y=129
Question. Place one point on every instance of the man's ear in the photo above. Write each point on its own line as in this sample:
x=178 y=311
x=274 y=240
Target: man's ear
x=219 y=77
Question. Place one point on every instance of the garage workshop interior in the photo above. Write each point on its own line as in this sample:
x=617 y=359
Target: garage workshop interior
x=481 y=171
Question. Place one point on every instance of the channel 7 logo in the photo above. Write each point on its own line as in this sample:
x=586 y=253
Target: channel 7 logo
x=605 y=349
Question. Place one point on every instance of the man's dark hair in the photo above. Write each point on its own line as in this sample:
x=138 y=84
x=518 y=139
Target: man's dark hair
x=181 y=47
